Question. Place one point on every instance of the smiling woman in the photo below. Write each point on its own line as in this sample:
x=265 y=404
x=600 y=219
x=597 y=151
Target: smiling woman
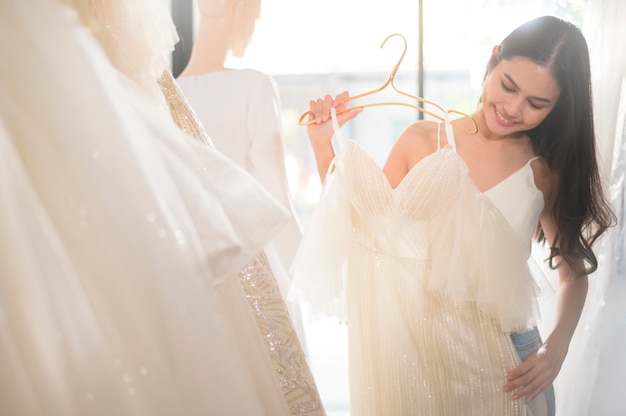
x=311 y=51
x=434 y=254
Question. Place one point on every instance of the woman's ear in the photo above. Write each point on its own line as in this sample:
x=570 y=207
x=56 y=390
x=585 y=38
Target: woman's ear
x=493 y=59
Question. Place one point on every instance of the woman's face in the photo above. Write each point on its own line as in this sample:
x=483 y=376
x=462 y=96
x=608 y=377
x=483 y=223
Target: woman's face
x=518 y=94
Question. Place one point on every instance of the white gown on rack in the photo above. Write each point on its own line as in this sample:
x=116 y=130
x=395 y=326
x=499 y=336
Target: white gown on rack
x=240 y=110
x=430 y=278
x=120 y=243
x=261 y=290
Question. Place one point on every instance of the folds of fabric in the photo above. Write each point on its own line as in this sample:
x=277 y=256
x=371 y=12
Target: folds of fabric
x=318 y=268
x=261 y=289
x=120 y=242
x=137 y=36
x=417 y=220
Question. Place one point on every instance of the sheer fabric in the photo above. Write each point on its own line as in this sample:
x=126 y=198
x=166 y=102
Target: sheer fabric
x=120 y=243
x=136 y=35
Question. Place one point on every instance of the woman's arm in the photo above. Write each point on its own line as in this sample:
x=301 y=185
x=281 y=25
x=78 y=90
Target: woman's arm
x=541 y=368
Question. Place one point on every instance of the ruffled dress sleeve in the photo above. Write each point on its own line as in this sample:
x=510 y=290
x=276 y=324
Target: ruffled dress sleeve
x=319 y=267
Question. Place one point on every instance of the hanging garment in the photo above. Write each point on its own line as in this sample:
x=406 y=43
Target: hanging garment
x=431 y=280
x=240 y=110
x=120 y=243
x=261 y=288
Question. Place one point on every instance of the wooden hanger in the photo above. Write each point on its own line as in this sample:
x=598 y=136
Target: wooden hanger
x=390 y=81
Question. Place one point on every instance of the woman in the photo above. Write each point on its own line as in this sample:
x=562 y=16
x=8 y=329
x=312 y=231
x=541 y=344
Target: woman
x=440 y=304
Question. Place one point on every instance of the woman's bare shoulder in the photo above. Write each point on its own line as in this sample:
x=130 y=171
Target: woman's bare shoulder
x=416 y=142
x=545 y=178
x=421 y=137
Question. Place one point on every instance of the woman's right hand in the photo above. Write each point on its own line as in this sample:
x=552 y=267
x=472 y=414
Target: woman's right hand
x=321 y=130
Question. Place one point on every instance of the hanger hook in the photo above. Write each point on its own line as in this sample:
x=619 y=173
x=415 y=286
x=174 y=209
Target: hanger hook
x=395 y=68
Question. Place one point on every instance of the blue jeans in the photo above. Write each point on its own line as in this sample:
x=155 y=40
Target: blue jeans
x=526 y=343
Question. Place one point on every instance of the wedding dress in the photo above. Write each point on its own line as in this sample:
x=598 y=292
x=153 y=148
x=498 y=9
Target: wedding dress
x=240 y=110
x=431 y=278
x=120 y=243
x=262 y=290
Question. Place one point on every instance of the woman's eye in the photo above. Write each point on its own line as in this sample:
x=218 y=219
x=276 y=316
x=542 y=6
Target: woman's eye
x=535 y=106
x=506 y=88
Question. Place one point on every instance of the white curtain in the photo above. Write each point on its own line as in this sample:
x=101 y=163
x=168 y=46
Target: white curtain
x=591 y=381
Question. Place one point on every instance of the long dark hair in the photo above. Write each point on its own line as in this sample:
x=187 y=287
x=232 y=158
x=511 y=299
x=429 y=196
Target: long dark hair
x=566 y=138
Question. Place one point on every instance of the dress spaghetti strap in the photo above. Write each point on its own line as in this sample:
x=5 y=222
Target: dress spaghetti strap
x=336 y=128
x=438 y=136
x=337 y=136
x=449 y=132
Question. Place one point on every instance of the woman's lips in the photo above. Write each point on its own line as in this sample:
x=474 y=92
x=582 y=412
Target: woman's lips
x=503 y=120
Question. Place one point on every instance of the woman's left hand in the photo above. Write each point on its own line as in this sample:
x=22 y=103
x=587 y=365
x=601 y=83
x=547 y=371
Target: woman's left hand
x=536 y=373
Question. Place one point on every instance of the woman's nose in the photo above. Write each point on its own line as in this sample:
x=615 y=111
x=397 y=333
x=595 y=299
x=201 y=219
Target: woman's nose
x=513 y=108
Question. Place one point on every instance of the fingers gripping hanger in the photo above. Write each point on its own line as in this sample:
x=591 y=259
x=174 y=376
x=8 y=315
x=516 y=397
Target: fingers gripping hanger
x=390 y=81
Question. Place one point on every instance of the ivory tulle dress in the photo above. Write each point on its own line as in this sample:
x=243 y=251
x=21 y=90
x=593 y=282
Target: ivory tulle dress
x=120 y=244
x=431 y=279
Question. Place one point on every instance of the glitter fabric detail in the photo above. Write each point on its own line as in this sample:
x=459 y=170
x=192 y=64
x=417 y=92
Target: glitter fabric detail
x=182 y=113
x=294 y=376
